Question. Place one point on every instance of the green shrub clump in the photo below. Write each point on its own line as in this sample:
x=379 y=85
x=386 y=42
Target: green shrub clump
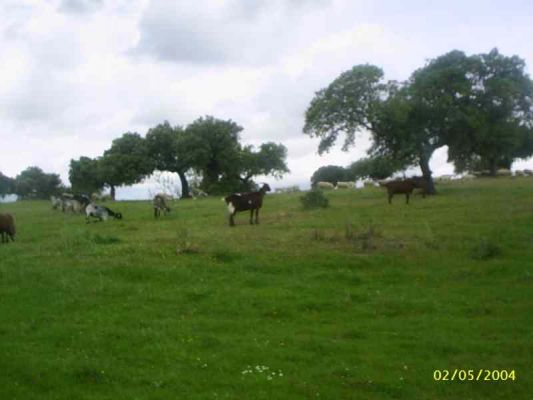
x=315 y=198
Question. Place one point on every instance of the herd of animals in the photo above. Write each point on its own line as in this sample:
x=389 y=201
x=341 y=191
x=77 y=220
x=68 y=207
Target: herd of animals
x=236 y=202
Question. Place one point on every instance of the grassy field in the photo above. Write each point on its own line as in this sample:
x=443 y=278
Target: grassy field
x=358 y=301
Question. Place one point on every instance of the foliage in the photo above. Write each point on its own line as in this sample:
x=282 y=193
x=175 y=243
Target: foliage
x=33 y=183
x=7 y=185
x=166 y=152
x=329 y=173
x=497 y=126
x=314 y=198
x=126 y=162
x=269 y=160
x=212 y=148
x=480 y=106
x=377 y=167
x=85 y=175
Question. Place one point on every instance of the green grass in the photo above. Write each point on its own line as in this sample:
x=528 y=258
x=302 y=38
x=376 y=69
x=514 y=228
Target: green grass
x=361 y=300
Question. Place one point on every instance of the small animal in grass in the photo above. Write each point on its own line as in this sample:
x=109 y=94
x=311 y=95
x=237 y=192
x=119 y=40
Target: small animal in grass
x=160 y=204
x=405 y=187
x=100 y=213
x=246 y=201
x=7 y=228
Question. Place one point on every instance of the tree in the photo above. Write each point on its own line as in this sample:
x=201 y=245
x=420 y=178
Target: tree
x=7 y=185
x=211 y=147
x=373 y=168
x=126 y=162
x=497 y=123
x=33 y=183
x=329 y=173
x=167 y=154
x=85 y=176
x=269 y=160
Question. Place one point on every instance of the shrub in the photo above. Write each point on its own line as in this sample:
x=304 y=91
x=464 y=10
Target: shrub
x=315 y=198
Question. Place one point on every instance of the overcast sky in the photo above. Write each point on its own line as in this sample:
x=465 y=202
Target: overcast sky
x=74 y=74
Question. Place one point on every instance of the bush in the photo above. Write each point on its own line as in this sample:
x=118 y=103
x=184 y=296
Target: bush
x=315 y=198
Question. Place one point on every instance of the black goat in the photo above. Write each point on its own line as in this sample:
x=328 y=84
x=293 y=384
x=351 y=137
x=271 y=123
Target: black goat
x=246 y=201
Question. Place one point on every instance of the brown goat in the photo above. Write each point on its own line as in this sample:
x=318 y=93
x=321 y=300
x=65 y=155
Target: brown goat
x=246 y=201
x=405 y=187
x=7 y=227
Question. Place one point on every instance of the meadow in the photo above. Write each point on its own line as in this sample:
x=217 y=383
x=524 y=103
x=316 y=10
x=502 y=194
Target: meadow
x=362 y=300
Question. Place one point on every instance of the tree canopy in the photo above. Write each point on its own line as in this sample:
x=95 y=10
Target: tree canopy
x=85 y=175
x=7 y=185
x=374 y=168
x=166 y=152
x=33 y=183
x=212 y=148
x=126 y=162
x=329 y=173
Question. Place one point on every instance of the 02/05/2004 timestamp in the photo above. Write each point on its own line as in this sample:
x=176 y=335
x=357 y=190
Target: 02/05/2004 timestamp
x=474 y=375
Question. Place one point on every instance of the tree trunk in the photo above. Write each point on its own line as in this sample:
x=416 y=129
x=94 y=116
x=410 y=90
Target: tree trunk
x=493 y=167
x=112 y=192
x=426 y=173
x=184 y=186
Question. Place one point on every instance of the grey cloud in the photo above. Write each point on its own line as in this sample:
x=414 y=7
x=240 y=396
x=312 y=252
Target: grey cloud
x=79 y=6
x=240 y=32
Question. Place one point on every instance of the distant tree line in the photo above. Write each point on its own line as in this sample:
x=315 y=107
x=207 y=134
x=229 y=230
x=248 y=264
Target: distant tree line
x=480 y=106
x=377 y=167
x=32 y=183
x=208 y=147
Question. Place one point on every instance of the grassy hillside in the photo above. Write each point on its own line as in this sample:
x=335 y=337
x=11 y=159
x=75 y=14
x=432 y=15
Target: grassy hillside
x=358 y=301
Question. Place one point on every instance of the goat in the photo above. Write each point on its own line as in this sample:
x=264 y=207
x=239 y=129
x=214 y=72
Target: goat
x=160 y=204
x=345 y=185
x=325 y=185
x=74 y=202
x=7 y=228
x=56 y=202
x=406 y=187
x=100 y=212
x=246 y=201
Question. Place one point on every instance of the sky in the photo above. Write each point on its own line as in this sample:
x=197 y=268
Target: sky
x=75 y=74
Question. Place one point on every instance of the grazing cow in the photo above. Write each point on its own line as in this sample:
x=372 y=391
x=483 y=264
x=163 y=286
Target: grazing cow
x=405 y=187
x=246 y=201
x=160 y=204
x=7 y=228
x=101 y=213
